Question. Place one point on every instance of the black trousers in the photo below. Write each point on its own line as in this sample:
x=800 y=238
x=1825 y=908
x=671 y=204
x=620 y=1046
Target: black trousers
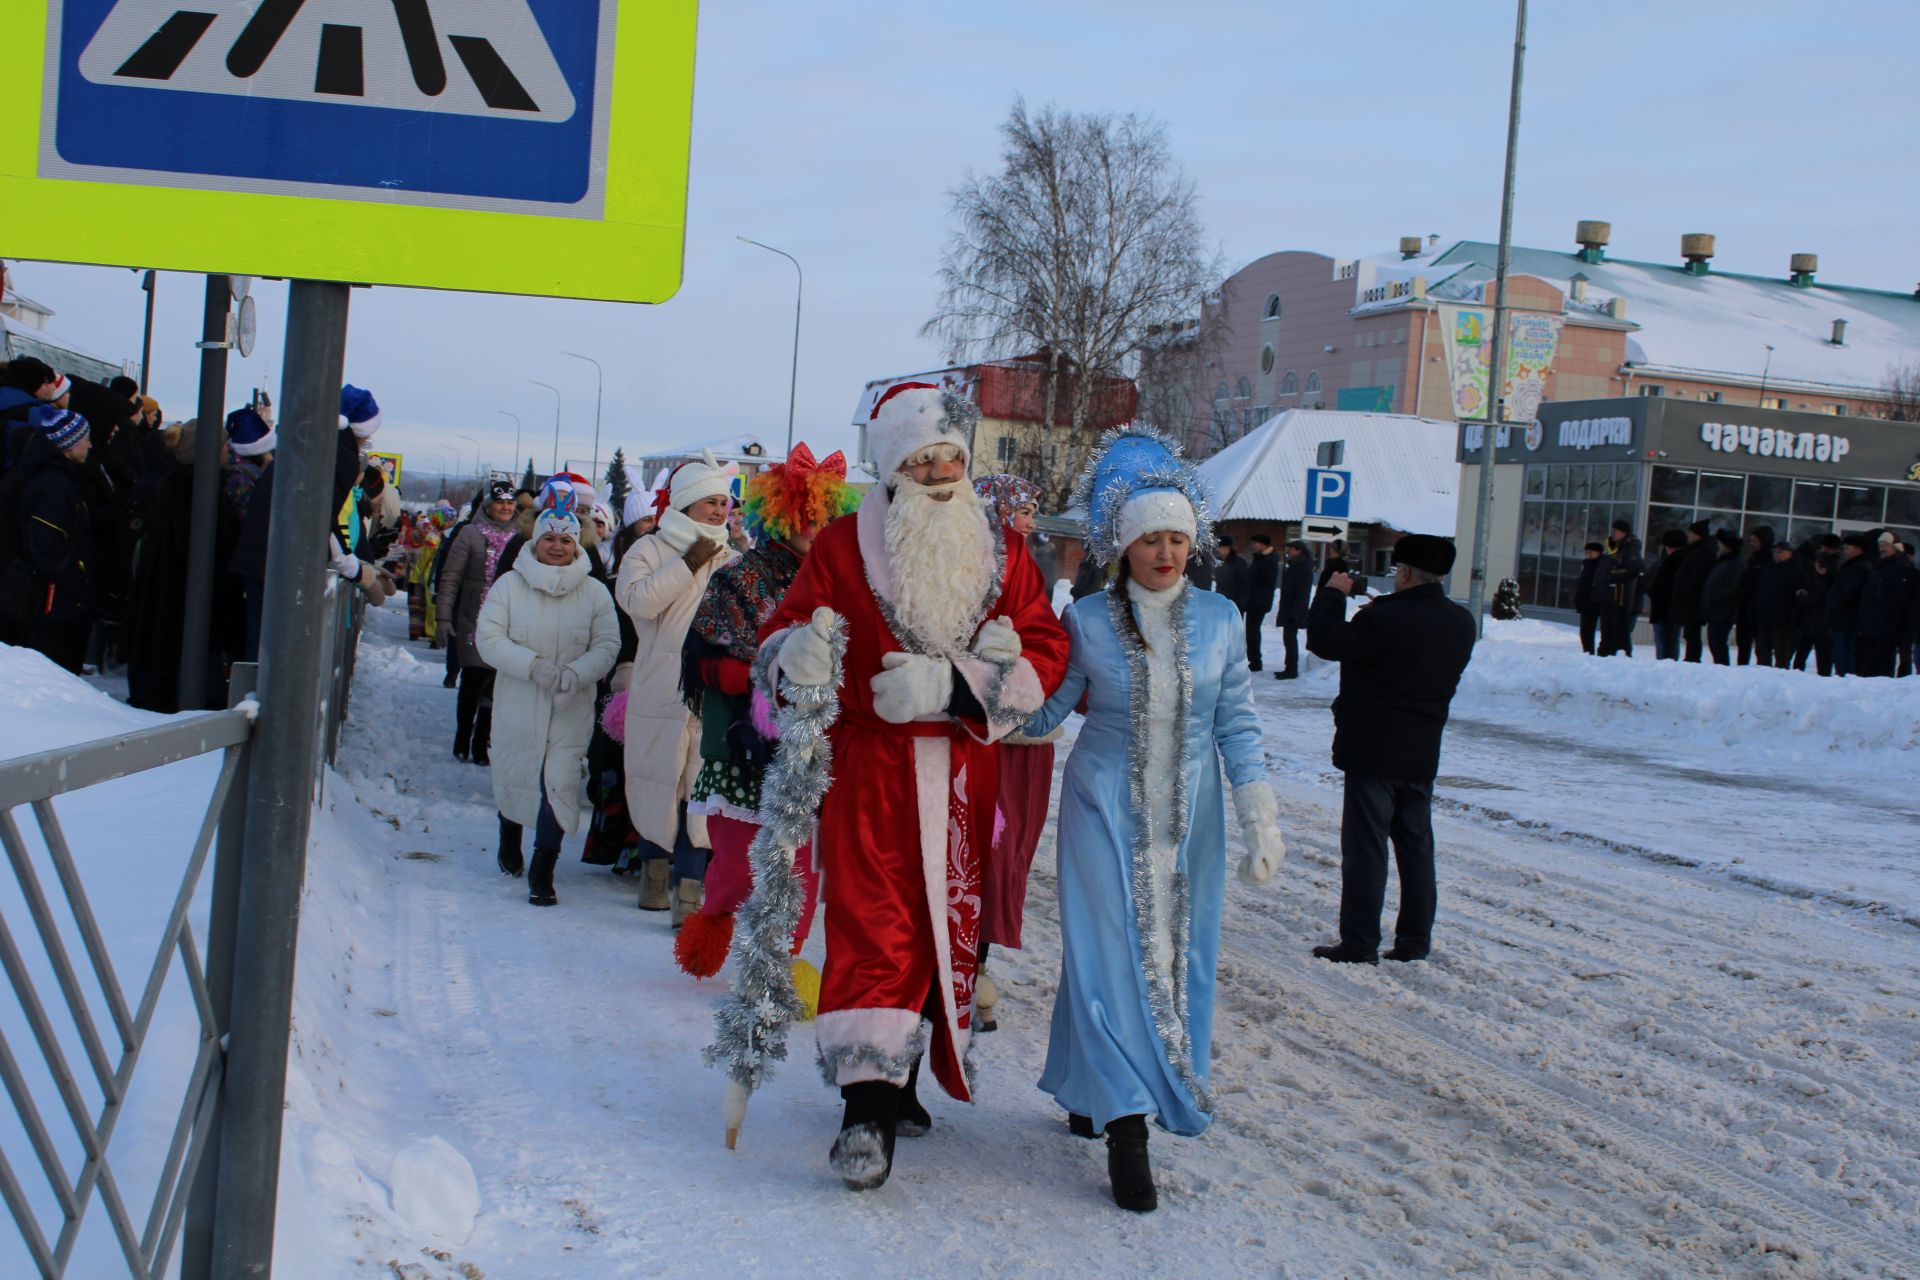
x=1744 y=634
x=472 y=731
x=1690 y=633
x=1777 y=642
x=1589 y=624
x=1254 y=621
x=1717 y=633
x=1616 y=630
x=1292 y=637
x=1873 y=656
x=1375 y=812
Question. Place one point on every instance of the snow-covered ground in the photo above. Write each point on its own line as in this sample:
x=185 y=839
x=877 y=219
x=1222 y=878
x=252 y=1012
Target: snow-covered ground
x=1671 y=1026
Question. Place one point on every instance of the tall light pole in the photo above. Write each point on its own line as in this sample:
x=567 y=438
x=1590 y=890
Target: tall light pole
x=599 y=385
x=477 y=468
x=516 y=435
x=556 y=421
x=1496 y=411
x=799 y=288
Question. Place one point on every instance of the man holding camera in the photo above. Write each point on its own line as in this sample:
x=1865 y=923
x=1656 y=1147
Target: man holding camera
x=1400 y=660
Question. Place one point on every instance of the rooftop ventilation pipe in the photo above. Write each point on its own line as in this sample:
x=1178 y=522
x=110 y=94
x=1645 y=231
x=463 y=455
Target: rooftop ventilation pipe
x=1592 y=237
x=1839 y=338
x=1409 y=246
x=1801 y=267
x=1697 y=248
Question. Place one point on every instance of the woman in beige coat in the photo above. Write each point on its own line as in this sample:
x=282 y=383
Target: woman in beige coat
x=661 y=583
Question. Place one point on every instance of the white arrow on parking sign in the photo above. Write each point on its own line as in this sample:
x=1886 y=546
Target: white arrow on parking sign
x=477 y=59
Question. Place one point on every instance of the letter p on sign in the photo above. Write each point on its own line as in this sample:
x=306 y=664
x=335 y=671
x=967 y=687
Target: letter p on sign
x=1329 y=493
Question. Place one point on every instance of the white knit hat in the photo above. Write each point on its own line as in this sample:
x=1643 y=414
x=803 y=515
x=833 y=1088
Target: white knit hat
x=697 y=480
x=638 y=507
x=1153 y=511
x=913 y=416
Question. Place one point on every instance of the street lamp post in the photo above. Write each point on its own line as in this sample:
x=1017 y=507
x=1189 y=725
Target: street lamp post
x=599 y=385
x=477 y=467
x=516 y=435
x=1496 y=371
x=556 y=421
x=799 y=288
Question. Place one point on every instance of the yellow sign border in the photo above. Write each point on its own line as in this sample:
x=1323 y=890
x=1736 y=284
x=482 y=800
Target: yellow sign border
x=633 y=253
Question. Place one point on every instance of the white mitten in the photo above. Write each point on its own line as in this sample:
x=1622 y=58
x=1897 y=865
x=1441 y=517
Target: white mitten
x=997 y=642
x=806 y=655
x=543 y=673
x=1259 y=816
x=913 y=685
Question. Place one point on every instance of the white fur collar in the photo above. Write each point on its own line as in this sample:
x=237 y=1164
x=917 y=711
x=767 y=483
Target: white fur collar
x=678 y=530
x=1153 y=601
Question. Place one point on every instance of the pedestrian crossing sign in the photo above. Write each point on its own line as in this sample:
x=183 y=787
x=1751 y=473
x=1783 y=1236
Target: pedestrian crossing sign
x=511 y=146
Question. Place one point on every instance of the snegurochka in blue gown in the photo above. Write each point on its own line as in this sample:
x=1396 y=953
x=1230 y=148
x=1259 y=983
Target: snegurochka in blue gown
x=1143 y=839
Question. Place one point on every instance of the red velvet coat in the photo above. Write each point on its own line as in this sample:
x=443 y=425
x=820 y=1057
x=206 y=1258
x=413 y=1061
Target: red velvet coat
x=908 y=821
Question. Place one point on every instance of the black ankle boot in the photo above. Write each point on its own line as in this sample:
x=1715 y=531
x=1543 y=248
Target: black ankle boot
x=863 y=1151
x=511 y=863
x=1081 y=1126
x=1127 y=1167
x=540 y=878
x=914 y=1120
x=482 y=734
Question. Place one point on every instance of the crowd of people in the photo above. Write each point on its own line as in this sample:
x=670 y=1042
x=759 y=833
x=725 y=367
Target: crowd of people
x=1846 y=604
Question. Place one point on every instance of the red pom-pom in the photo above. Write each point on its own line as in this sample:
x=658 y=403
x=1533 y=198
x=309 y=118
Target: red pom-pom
x=702 y=945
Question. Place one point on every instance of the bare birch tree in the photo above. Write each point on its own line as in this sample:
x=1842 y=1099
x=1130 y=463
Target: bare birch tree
x=1899 y=397
x=1085 y=246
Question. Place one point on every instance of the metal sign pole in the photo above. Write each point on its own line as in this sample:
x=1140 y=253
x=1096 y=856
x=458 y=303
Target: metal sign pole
x=206 y=492
x=279 y=807
x=1496 y=373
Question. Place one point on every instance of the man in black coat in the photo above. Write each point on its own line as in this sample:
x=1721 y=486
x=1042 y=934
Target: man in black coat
x=1400 y=661
x=1884 y=601
x=1777 y=600
x=1621 y=609
x=1666 y=632
x=1590 y=595
x=1296 y=589
x=1754 y=563
x=52 y=600
x=1263 y=579
x=1230 y=573
x=1810 y=616
x=1336 y=562
x=1843 y=600
x=1690 y=581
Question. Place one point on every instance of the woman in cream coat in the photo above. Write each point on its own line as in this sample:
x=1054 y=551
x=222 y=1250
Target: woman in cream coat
x=661 y=584
x=549 y=632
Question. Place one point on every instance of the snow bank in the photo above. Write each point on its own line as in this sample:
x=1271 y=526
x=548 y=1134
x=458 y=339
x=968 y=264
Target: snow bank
x=1538 y=668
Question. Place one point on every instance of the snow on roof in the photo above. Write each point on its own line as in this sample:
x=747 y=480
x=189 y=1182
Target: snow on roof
x=741 y=447
x=1722 y=323
x=1404 y=472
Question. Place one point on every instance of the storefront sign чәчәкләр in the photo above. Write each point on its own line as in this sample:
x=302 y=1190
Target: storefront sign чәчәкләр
x=1774 y=442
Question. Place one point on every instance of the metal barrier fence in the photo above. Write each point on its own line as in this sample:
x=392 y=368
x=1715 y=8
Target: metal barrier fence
x=183 y=1201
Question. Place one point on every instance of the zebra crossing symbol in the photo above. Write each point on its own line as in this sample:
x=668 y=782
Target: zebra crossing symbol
x=492 y=104
x=408 y=55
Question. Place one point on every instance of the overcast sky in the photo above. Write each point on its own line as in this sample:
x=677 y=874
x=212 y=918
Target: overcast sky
x=835 y=131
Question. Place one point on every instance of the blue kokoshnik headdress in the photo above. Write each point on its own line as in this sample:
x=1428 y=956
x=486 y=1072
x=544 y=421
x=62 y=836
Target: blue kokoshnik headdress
x=1138 y=463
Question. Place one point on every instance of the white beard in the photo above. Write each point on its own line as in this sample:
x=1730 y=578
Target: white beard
x=942 y=556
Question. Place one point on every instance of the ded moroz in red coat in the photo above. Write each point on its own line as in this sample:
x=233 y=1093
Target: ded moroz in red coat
x=908 y=820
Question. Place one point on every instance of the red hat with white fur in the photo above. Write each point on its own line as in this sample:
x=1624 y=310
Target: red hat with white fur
x=911 y=416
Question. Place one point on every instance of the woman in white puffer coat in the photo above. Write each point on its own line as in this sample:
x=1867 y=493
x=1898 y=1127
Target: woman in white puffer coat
x=548 y=629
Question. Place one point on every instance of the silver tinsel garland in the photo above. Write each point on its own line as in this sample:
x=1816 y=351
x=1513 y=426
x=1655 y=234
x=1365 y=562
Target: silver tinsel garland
x=1166 y=997
x=751 y=1023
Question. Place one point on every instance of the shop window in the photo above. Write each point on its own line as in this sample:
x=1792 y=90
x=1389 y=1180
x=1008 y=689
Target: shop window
x=1603 y=483
x=1626 y=482
x=1661 y=519
x=1530 y=530
x=1813 y=500
x=1718 y=489
x=1557 y=481
x=1866 y=503
x=1536 y=482
x=1289 y=384
x=1772 y=495
x=1529 y=572
x=1673 y=485
x=1272 y=309
x=1579 y=480
x=1800 y=530
x=1903 y=508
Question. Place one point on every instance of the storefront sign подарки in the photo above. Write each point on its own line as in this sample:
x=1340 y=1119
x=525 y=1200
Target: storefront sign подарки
x=1774 y=442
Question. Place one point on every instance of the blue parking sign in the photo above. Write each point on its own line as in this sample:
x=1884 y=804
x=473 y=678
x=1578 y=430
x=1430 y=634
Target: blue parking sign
x=496 y=105
x=1329 y=493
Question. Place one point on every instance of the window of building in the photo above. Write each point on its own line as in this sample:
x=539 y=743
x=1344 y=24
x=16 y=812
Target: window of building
x=1383 y=562
x=1903 y=508
x=1722 y=491
x=1006 y=451
x=1313 y=383
x=1053 y=457
x=1222 y=391
x=1272 y=310
x=1862 y=502
x=1836 y=410
x=1813 y=500
x=1264 y=412
x=1769 y=495
x=1773 y=402
x=1289 y=384
x=1652 y=389
x=1713 y=397
x=1243 y=389
x=1566 y=506
x=1266 y=360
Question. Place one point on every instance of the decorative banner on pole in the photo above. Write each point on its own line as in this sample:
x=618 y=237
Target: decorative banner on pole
x=506 y=146
x=1466 y=336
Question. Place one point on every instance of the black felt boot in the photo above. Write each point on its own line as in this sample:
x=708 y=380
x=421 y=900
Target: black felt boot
x=1081 y=1126
x=482 y=734
x=540 y=878
x=914 y=1120
x=1127 y=1167
x=863 y=1151
x=511 y=863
